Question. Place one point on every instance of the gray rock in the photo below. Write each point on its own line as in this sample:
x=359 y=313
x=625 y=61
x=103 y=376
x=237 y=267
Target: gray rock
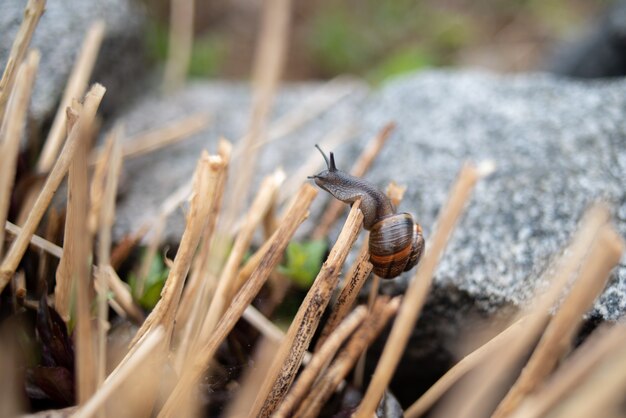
x=59 y=37
x=150 y=179
x=557 y=145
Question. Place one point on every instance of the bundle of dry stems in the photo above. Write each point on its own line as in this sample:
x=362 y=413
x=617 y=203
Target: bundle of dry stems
x=209 y=288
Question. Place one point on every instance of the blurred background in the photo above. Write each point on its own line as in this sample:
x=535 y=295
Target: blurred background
x=377 y=39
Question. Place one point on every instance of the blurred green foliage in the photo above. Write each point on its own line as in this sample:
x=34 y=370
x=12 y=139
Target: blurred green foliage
x=378 y=39
x=303 y=261
x=207 y=53
x=153 y=284
x=392 y=37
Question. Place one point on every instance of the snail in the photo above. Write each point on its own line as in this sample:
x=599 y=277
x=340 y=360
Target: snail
x=396 y=242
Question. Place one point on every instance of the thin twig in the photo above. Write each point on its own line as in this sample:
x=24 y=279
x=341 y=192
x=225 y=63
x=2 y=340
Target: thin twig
x=13 y=257
x=35 y=240
x=180 y=44
x=76 y=85
x=573 y=371
x=417 y=291
x=348 y=356
x=320 y=360
x=201 y=283
x=106 y=192
x=289 y=357
x=267 y=69
x=164 y=312
x=33 y=11
x=78 y=253
x=478 y=395
x=223 y=294
x=559 y=333
x=352 y=284
x=199 y=359
x=11 y=133
x=155 y=139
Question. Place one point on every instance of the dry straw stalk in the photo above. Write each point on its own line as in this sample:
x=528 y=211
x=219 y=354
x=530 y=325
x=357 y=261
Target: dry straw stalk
x=418 y=289
x=478 y=395
x=478 y=356
x=199 y=359
x=557 y=338
x=289 y=356
x=164 y=312
x=13 y=257
x=320 y=360
x=267 y=68
x=326 y=384
x=11 y=133
x=573 y=371
x=32 y=13
x=76 y=85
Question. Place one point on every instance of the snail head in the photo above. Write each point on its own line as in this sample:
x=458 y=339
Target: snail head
x=327 y=178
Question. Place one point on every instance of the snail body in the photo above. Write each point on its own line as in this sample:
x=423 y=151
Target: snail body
x=396 y=242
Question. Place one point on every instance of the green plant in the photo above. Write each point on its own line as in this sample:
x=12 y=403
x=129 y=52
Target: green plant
x=303 y=261
x=154 y=281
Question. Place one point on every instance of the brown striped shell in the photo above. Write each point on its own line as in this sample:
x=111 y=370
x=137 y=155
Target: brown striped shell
x=396 y=244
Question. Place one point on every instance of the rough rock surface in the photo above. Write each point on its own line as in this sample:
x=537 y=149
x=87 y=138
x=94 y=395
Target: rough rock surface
x=558 y=146
x=59 y=37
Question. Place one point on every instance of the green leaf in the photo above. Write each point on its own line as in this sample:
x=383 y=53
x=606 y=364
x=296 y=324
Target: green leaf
x=303 y=261
x=157 y=274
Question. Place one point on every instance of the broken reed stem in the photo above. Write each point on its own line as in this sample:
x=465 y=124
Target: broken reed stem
x=573 y=371
x=155 y=139
x=76 y=85
x=557 y=338
x=202 y=323
x=360 y=167
x=164 y=312
x=11 y=133
x=467 y=363
x=352 y=284
x=477 y=396
x=107 y=190
x=199 y=359
x=201 y=285
x=300 y=333
x=97 y=402
x=417 y=291
x=320 y=360
x=326 y=384
x=224 y=292
x=179 y=45
x=78 y=255
x=63 y=290
x=267 y=68
x=32 y=12
x=13 y=257
x=35 y=240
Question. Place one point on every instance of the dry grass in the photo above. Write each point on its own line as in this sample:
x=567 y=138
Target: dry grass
x=523 y=372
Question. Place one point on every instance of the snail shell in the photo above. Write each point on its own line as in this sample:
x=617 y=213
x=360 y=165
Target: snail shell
x=396 y=242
